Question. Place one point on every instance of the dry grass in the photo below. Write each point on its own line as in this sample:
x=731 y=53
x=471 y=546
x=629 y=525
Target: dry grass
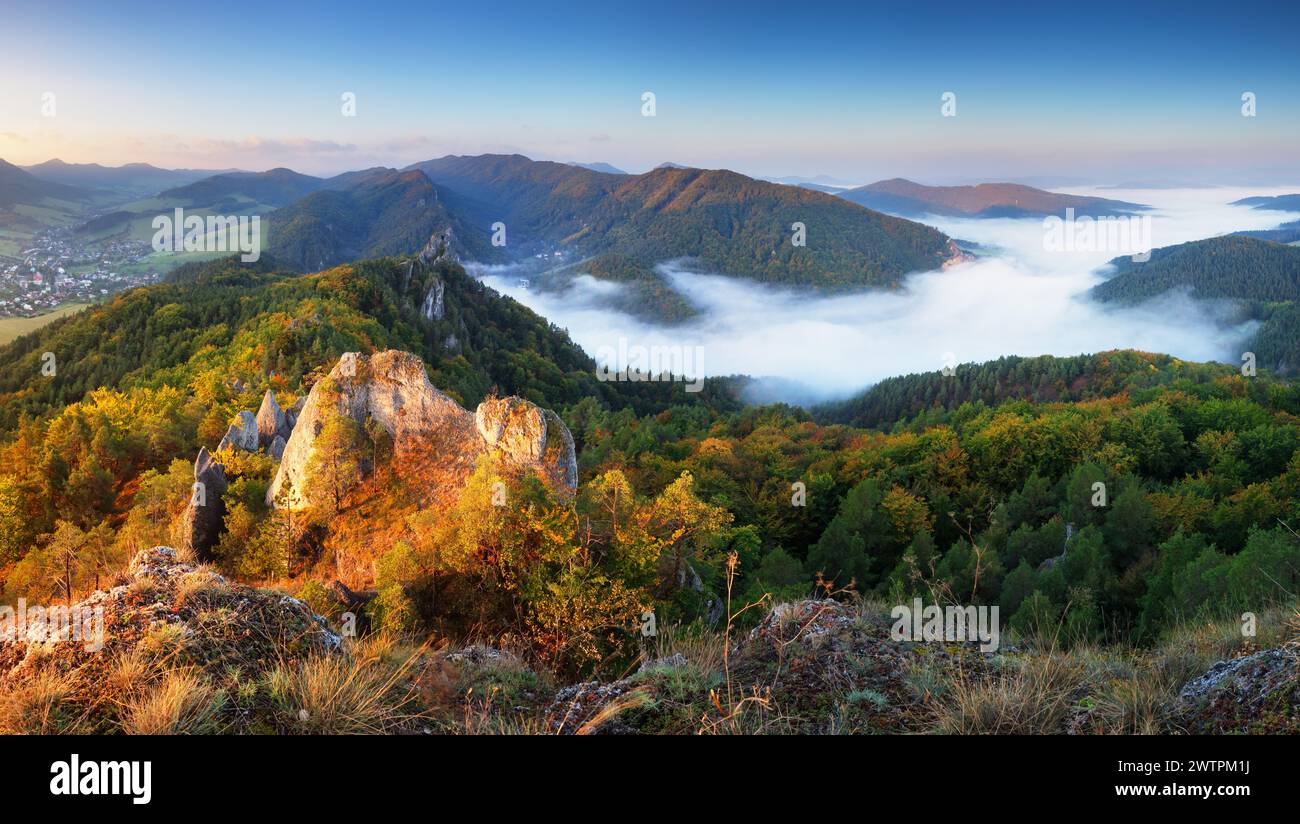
x=1035 y=695
x=39 y=706
x=349 y=694
x=202 y=586
x=183 y=703
x=1135 y=706
x=702 y=649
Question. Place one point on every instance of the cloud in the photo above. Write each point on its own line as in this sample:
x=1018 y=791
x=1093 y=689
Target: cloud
x=1020 y=300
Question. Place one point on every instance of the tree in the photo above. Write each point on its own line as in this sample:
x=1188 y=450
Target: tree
x=334 y=464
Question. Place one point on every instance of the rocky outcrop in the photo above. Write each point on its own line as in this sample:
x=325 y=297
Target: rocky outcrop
x=272 y=422
x=242 y=434
x=294 y=411
x=392 y=390
x=1252 y=694
x=432 y=309
x=956 y=256
x=560 y=452
x=203 y=519
x=163 y=612
x=440 y=246
x=512 y=425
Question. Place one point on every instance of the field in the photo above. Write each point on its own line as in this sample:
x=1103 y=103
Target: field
x=11 y=328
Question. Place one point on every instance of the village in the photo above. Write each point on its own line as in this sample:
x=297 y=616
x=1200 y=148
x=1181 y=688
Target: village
x=58 y=269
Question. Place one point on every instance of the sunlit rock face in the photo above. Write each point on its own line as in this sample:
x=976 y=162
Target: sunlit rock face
x=391 y=391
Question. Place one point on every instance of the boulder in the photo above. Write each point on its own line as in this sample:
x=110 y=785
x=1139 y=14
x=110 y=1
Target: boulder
x=272 y=422
x=1251 y=694
x=393 y=391
x=276 y=448
x=242 y=434
x=203 y=519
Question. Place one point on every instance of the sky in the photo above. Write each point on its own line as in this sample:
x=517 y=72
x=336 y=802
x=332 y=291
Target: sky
x=1095 y=93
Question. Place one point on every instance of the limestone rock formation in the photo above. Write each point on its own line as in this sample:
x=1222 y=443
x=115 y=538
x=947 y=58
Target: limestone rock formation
x=440 y=246
x=241 y=435
x=512 y=425
x=272 y=422
x=204 y=516
x=432 y=309
x=392 y=390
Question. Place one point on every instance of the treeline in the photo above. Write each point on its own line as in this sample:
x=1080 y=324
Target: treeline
x=1232 y=266
x=1114 y=517
x=920 y=399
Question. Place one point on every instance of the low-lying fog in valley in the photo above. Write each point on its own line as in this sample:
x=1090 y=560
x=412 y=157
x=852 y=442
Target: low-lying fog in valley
x=1018 y=298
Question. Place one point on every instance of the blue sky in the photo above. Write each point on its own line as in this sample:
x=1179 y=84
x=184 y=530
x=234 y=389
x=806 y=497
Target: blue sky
x=1105 y=92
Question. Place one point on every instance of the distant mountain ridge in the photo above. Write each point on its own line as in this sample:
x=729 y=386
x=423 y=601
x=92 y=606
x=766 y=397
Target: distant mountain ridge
x=1282 y=203
x=986 y=200
x=574 y=219
x=136 y=178
x=21 y=187
x=276 y=187
x=384 y=213
x=727 y=221
x=600 y=167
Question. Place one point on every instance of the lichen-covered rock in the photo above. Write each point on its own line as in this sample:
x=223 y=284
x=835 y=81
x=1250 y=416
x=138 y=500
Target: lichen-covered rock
x=168 y=611
x=391 y=390
x=272 y=422
x=1257 y=693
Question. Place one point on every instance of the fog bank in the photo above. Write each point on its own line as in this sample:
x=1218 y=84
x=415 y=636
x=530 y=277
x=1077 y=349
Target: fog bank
x=1019 y=300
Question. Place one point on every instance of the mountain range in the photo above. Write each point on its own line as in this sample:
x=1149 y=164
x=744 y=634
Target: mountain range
x=18 y=186
x=140 y=179
x=986 y=200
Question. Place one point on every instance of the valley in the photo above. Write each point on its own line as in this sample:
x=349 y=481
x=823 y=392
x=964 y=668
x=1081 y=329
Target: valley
x=423 y=371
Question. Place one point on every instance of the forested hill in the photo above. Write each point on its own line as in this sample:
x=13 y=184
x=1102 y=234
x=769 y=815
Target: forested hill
x=731 y=223
x=276 y=187
x=928 y=396
x=1263 y=276
x=986 y=200
x=225 y=331
x=1231 y=266
x=1281 y=203
x=379 y=214
x=738 y=225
